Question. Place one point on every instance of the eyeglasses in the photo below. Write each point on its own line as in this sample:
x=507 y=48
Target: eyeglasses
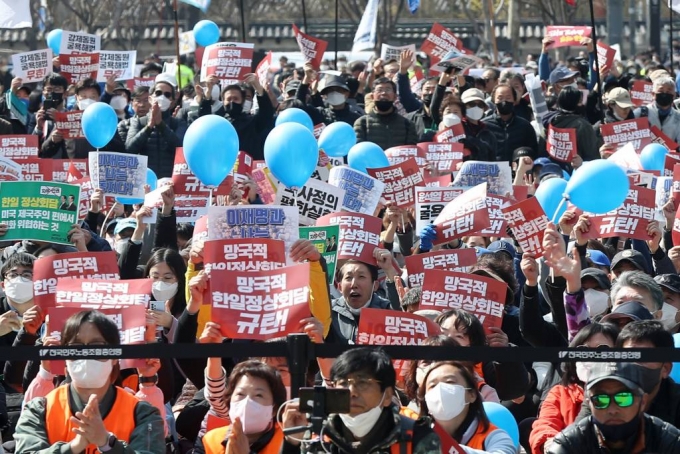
x=385 y=91
x=624 y=399
x=26 y=275
x=360 y=384
x=167 y=94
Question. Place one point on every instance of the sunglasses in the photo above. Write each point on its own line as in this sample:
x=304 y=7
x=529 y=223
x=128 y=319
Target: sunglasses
x=623 y=399
x=167 y=94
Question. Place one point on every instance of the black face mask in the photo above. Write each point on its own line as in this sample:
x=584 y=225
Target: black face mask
x=650 y=378
x=663 y=99
x=427 y=100
x=619 y=432
x=234 y=109
x=56 y=97
x=505 y=107
x=384 y=105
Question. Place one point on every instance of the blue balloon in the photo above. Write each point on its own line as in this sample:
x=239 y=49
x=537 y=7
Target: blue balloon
x=53 y=39
x=99 y=124
x=549 y=195
x=367 y=155
x=566 y=175
x=295 y=115
x=206 y=32
x=291 y=154
x=675 y=372
x=337 y=138
x=501 y=417
x=653 y=157
x=585 y=189
x=151 y=179
x=210 y=149
x=129 y=201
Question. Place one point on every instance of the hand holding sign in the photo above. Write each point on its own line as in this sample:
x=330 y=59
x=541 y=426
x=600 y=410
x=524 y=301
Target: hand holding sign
x=211 y=334
x=304 y=250
x=529 y=267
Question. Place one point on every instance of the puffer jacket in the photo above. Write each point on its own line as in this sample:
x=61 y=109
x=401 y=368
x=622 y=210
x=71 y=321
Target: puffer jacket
x=559 y=410
x=586 y=139
x=157 y=144
x=511 y=135
x=344 y=324
x=387 y=131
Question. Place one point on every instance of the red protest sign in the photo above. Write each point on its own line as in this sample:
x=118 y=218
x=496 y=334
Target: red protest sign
x=455 y=133
x=359 y=234
x=642 y=93
x=438 y=181
x=260 y=305
x=400 y=182
x=465 y=214
x=252 y=254
x=561 y=143
x=497 y=222
x=103 y=294
x=630 y=220
x=36 y=169
x=69 y=124
x=669 y=163
x=520 y=192
x=242 y=167
x=262 y=69
x=605 y=55
x=77 y=67
x=20 y=146
x=86 y=191
x=133 y=84
x=186 y=183
x=229 y=62
x=528 y=222
x=397 y=155
x=440 y=41
x=416 y=81
x=479 y=295
x=676 y=227
x=659 y=137
x=443 y=156
x=318 y=129
x=266 y=185
x=566 y=35
x=63 y=168
x=312 y=48
x=447 y=260
x=621 y=132
x=448 y=443
x=675 y=185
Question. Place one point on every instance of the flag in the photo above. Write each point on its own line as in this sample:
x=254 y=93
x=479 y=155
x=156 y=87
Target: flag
x=73 y=173
x=203 y=5
x=413 y=6
x=18 y=15
x=365 y=36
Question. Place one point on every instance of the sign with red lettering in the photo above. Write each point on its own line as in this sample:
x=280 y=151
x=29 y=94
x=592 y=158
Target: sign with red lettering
x=628 y=131
x=229 y=62
x=605 y=55
x=431 y=201
x=465 y=214
x=561 y=143
x=498 y=224
x=669 y=164
x=447 y=260
x=116 y=63
x=103 y=294
x=397 y=155
x=266 y=185
x=676 y=227
x=400 y=182
x=69 y=124
x=262 y=69
x=63 y=169
x=260 y=305
x=86 y=190
x=642 y=93
x=132 y=84
x=566 y=35
x=359 y=234
x=32 y=66
x=528 y=222
x=20 y=146
x=479 y=295
x=630 y=220
x=455 y=133
x=440 y=41
x=77 y=67
x=443 y=156
x=659 y=137
x=312 y=48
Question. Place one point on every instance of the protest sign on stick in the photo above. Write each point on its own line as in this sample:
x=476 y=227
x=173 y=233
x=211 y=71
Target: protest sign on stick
x=118 y=174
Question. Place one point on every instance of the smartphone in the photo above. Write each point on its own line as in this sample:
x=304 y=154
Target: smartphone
x=49 y=104
x=157 y=306
x=337 y=399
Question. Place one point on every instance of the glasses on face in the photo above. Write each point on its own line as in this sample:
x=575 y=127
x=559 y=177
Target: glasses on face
x=385 y=91
x=167 y=94
x=360 y=384
x=623 y=399
x=26 y=275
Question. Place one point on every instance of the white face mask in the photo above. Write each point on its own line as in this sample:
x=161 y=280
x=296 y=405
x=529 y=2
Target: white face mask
x=583 y=370
x=163 y=102
x=336 y=99
x=247 y=106
x=572 y=85
x=85 y=103
x=597 y=302
x=118 y=102
x=186 y=103
x=360 y=425
x=474 y=113
x=163 y=291
x=254 y=416
x=89 y=373
x=450 y=120
x=668 y=316
x=19 y=290
x=120 y=245
x=445 y=401
x=215 y=93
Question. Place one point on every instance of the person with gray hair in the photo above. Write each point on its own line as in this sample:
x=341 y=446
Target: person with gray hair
x=640 y=287
x=661 y=112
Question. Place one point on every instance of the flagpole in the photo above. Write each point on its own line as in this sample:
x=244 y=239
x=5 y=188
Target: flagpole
x=597 y=60
x=304 y=16
x=243 y=21
x=337 y=9
x=670 y=7
x=179 y=67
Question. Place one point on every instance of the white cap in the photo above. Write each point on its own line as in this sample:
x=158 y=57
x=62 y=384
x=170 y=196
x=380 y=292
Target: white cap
x=167 y=78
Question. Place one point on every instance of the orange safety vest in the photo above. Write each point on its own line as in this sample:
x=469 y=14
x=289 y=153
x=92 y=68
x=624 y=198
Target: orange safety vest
x=212 y=441
x=478 y=439
x=120 y=421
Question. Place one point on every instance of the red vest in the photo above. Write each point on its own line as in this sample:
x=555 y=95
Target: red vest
x=212 y=441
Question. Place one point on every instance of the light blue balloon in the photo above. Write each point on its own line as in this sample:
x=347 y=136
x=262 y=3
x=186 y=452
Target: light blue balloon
x=653 y=157
x=99 y=124
x=337 y=138
x=675 y=372
x=210 y=149
x=501 y=417
x=53 y=39
x=366 y=155
x=129 y=201
x=599 y=186
x=291 y=154
x=295 y=115
x=549 y=195
x=151 y=179
x=206 y=32
x=566 y=175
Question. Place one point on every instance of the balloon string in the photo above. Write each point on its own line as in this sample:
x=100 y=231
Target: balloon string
x=106 y=218
x=210 y=201
x=557 y=211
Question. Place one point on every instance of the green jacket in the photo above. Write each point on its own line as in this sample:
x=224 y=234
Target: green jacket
x=387 y=131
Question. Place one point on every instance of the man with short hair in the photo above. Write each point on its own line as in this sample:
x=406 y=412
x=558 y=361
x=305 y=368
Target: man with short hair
x=333 y=90
x=640 y=287
x=660 y=112
x=670 y=286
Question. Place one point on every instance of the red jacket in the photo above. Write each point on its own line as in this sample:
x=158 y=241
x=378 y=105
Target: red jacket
x=559 y=410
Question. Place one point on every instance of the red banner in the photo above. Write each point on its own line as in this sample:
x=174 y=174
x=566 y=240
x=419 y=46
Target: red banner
x=498 y=224
x=642 y=93
x=675 y=185
x=132 y=84
x=630 y=220
x=400 y=182
x=262 y=69
x=455 y=133
x=528 y=222
x=605 y=55
x=448 y=443
x=260 y=305
x=36 y=169
x=566 y=35
x=359 y=234
x=520 y=193
x=63 y=168
x=443 y=156
x=228 y=62
x=669 y=164
x=447 y=260
x=255 y=254
x=659 y=137
x=561 y=143
x=17 y=147
x=103 y=294
x=479 y=295
x=440 y=41
x=77 y=67
x=312 y=48
x=69 y=124
x=634 y=131
x=465 y=214
x=397 y=155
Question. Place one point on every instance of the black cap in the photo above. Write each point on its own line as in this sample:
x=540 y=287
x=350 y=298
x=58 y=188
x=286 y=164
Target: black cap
x=331 y=81
x=669 y=282
x=634 y=310
x=599 y=275
x=628 y=374
x=522 y=152
x=292 y=85
x=634 y=257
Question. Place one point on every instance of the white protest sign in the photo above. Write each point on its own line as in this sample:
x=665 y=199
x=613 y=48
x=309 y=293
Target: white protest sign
x=118 y=174
x=32 y=66
x=120 y=64
x=187 y=42
x=362 y=193
x=314 y=200
x=388 y=52
x=79 y=43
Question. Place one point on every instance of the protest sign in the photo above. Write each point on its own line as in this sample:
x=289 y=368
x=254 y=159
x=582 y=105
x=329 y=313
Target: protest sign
x=65 y=169
x=440 y=40
x=388 y=52
x=359 y=234
x=69 y=124
x=416 y=81
x=621 y=132
x=659 y=137
x=520 y=192
x=448 y=443
x=528 y=222
x=536 y=97
x=116 y=63
x=312 y=48
x=440 y=181
x=662 y=187
x=32 y=66
x=497 y=175
x=325 y=240
x=118 y=174
x=201 y=229
x=41 y=211
x=400 y=182
x=480 y=295
x=397 y=155
x=498 y=224
x=605 y=55
x=675 y=185
x=362 y=192
x=187 y=42
x=10 y=170
x=443 y=157
x=253 y=254
x=448 y=260
x=638 y=178
x=185 y=183
x=642 y=93
x=314 y=200
x=676 y=227
x=266 y=185
x=566 y=35
x=254 y=221
x=242 y=167
x=669 y=163
x=455 y=133
x=79 y=43
x=458 y=60
x=561 y=143
x=78 y=67
x=140 y=82
x=431 y=201
x=86 y=190
x=103 y=294
x=262 y=69
x=630 y=220
x=626 y=157
x=260 y=305
x=229 y=62
x=36 y=169
x=465 y=214
x=20 y=146
x=71 y=265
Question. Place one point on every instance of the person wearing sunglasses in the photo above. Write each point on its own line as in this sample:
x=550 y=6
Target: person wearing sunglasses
x=618 y=423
